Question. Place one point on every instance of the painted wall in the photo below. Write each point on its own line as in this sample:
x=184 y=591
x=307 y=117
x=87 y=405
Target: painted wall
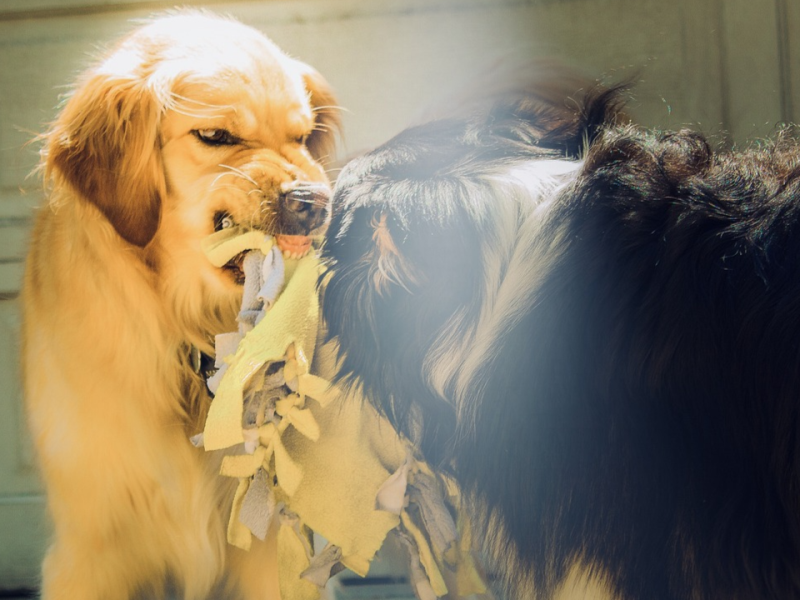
x=728 y=67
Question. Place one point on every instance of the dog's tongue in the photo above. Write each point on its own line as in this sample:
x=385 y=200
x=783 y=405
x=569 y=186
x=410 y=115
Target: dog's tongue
x=293 y=244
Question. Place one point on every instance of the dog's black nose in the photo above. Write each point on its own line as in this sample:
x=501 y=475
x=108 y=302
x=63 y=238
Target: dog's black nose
x=303 y=208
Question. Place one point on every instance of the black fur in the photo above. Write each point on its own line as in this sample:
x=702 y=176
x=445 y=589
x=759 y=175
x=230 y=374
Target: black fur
x=640 y=414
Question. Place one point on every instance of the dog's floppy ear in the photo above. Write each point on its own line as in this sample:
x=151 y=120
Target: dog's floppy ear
x=105 y=143
x=327 y=118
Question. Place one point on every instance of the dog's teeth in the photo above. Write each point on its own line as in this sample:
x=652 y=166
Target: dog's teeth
x=294 y=254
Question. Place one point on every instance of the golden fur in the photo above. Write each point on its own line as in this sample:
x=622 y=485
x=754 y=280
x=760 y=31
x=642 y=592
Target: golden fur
x=117 y=291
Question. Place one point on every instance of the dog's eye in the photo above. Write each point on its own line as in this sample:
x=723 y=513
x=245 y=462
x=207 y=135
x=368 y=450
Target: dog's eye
x=216 y=137
x=223 y=220
x=301 y=139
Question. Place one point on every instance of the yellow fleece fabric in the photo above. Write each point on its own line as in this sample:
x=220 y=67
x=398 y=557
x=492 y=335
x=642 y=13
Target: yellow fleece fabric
x=292 y=320
x=331 y=452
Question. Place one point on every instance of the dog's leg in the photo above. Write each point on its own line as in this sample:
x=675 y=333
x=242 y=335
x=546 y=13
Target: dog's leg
x=112 y=540
x=70 y=572
x=131 y=499
x=255 y=571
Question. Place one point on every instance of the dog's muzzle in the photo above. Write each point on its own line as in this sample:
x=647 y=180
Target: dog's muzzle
x=303 y=208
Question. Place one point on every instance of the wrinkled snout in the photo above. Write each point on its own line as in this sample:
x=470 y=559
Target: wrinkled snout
x=303 y=208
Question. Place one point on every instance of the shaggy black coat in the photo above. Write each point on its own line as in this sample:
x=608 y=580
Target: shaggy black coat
x=634 y=407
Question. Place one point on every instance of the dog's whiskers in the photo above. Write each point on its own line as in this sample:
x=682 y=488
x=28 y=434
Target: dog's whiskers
x=323 y=158
x=240 y=173
x=181 y=111
x=179 y=103
x=328 y=107
x=266 y=207
x=214 y=184
x=228 y=186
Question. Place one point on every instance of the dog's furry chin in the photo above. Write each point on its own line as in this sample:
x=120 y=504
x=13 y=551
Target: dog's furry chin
x=594 y=329
x=159 y=141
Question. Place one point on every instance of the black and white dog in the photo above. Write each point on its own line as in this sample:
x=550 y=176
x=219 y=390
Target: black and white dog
x=596 y=330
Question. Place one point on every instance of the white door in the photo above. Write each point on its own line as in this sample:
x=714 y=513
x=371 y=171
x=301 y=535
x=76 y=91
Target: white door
x=23 y=527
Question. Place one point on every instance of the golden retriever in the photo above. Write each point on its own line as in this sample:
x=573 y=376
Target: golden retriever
x=189 y=124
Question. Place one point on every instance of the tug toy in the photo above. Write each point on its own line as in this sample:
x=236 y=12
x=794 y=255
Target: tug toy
x=310 y=458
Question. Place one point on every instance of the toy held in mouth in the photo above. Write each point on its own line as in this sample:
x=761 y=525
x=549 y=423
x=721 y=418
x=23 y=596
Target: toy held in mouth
x=311 y=458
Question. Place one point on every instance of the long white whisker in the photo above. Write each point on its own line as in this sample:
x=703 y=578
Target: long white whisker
x=196 y=108
x=187 y=113
x=329 y=106
x=226 y=187
x=229 y=187
x=220 y=176
x=201 y=103
x=240 y=173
